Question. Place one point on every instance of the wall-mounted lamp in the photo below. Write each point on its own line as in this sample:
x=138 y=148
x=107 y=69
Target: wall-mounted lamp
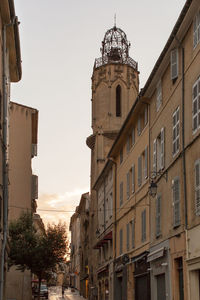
x=153 y=185
x=153 y=189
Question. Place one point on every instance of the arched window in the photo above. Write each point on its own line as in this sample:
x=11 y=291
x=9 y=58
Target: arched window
x=118 y=101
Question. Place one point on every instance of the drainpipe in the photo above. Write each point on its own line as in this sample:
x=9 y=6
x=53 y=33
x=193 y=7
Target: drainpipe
x=4 y=164
x=183 y=137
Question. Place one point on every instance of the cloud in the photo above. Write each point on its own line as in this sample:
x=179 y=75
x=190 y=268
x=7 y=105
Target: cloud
x=59 y=207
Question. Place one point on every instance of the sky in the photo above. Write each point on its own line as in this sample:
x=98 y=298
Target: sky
x=60 y=40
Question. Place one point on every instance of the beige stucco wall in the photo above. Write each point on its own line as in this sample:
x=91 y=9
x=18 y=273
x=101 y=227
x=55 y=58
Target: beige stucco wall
x=18 y=285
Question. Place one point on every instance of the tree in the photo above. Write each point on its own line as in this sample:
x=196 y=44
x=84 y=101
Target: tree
x=39 y=253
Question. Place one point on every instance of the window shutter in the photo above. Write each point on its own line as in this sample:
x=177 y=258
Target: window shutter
x=139 y=125
x=127 y=237
x=121 y=155
x=144 y=225
x=121 y=193
x=195 y=106
x=154 y=157
x=176 y=200
x=196 y=29
x=128 y=185
x=146 y=163
x=197 y=187
x=146 y=115
x=162 y=154
x=158 y=215
x=139 y=170
x=174 y=63
x=121 y=241
x=133 y=233
x=133 y=179
x=128 y=144
x=133 y=136
x=159 y=95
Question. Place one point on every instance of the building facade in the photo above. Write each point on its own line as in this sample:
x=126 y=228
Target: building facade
x=23 y=187
x=115 y=84
x=10 y=71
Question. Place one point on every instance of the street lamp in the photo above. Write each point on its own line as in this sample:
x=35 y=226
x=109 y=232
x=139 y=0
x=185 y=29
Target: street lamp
x=153 y=189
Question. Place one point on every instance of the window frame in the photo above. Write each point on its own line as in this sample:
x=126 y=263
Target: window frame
x=174 y=64
x=176 y=202
x=196 y=102
x=197 y=187
x=158 y=95
x=196 y=30
x=176 y=139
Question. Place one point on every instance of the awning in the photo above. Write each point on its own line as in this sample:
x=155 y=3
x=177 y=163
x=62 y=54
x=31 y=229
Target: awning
x=139 y=257
x=156 y=254
x=103 y=240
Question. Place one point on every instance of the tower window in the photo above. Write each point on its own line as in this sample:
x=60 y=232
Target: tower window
x=118 y=101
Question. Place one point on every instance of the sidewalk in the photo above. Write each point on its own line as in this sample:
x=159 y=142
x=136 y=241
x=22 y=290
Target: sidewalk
x=68 y=295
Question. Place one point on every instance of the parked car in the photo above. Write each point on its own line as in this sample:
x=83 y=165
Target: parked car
x=43 y=291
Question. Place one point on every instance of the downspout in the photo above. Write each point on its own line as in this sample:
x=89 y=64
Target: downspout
x=183 y=137
x=4 y=164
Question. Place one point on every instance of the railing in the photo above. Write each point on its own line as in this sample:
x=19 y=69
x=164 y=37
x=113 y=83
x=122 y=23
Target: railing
x=101 y=61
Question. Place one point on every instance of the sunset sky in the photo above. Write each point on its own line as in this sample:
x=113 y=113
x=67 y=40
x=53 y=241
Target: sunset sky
x=59 y=43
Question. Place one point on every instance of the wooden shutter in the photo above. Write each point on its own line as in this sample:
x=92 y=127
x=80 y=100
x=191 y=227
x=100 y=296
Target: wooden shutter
x=121 y=241
x=121 y=193
x=144 y=225
x=133 y=233
x=133 y=179
x=195 y=106
x=174 y=63
x=133 y=136
x=154 y=157
x=139 y=125
x=128 y=185
x=162 y=152
x=146 y=163
x=197 y=187
x=158 y=215
x=127 y=237
x=139 y=170
x=176 y=201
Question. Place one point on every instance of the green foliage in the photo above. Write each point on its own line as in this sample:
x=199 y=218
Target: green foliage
x=36 y=252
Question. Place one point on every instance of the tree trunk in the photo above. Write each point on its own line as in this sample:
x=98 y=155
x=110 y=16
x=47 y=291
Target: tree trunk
x=39 y=285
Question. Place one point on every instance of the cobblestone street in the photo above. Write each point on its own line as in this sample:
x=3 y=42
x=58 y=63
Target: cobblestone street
x=72 y=295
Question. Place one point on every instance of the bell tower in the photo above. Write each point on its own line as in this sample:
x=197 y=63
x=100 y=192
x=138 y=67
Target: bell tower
x=115 y=86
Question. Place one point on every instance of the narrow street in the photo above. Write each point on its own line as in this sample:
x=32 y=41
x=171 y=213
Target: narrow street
x=68 y=295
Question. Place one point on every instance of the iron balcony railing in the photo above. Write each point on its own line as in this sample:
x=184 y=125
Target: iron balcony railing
x=101 y=61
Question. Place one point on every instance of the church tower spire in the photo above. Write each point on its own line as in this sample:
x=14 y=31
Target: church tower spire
x=115 y=85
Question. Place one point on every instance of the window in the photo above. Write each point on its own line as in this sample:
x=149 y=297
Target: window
x=121 y=241
x=111 y=204
x=196 y=29
x=132 y=223
x=127 y=236
x=128 y=185
x=143 y=166
x=196 y=105
x=158 y=215
x=176 y=201
x=139 y=129
x=128 y=144
x=145 y=115
x=176 y=131
x=139 y=170
x=118 y=101
x=143 y=218
x=133 y=136
x=121 y=193
x=158 y=95
x=159 y=152
x=133 y=178
x=174 y=64
x=145 y=163
x=197 y=187
x=121 y=155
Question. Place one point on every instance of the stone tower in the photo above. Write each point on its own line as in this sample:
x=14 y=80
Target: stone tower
x=115 y=85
